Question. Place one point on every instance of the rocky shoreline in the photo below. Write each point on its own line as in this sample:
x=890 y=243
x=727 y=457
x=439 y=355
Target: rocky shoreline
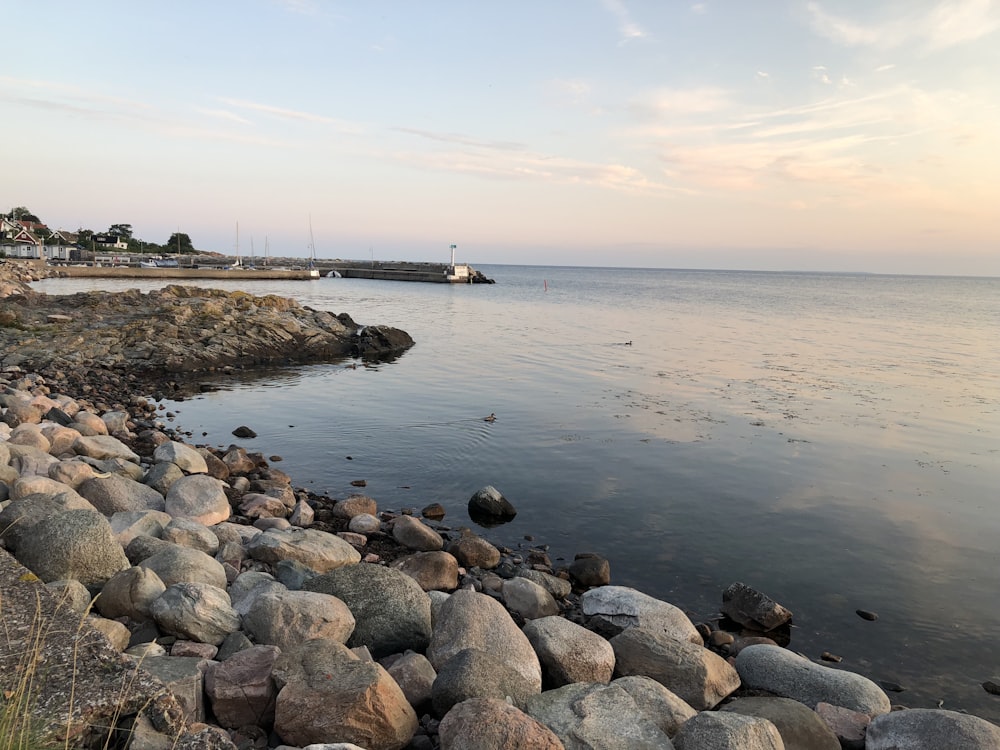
x=234 y=609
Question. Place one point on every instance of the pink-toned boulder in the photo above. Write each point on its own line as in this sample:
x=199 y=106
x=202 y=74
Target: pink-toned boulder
x=489 y=723
x=241 y=689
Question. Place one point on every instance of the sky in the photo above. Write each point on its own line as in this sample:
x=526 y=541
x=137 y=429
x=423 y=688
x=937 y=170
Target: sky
x=774 y=135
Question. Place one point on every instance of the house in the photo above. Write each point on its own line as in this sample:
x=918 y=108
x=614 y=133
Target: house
x=110 y=242
x=21 y=243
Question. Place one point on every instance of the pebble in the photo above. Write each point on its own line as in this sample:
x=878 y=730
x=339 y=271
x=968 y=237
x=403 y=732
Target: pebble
x=865 y=614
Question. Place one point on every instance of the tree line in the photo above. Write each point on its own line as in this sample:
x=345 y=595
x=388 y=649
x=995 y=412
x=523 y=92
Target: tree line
x=177 y=243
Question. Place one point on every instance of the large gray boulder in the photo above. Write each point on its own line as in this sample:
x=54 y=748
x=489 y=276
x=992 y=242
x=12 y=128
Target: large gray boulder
x=491 y=724
x=753 y=609
x=588 y=716
x=315 y=549
x=19 y=518
x=931 y=729
x=528 y=599
x=199 y=497
x=661 y=706
x=473 y=673
x=184 y=457
x=713 y=730
x=472 y=620
x=188 y=533
x=326 y=692
x=251 y=584
x=800 y=727
x=130 y=593
x=288 y=618
x=104 y=447
x=569 y=652
x=697 y=675
x=624 y=607
x=195 y=611
x=176 y=564
x=783 y=673
x=117 y=494
x=77 y=544
x=391 y=611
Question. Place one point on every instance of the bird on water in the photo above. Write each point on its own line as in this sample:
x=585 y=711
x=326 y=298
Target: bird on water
x=491 y=418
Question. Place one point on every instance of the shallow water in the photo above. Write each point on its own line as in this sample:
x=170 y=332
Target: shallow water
x=833 y=440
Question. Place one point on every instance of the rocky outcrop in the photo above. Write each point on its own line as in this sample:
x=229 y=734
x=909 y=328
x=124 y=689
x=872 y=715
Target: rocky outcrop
x=181 y=330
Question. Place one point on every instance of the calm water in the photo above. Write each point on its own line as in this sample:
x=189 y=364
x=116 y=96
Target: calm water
x=833 y=440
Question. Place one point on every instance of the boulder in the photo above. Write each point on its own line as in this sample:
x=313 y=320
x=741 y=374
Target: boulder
x=713 y=730
x=931 y=729
x=392 y=613
x=162 y=476
x=433 y=571
x=315 y=549
x=695 y=674
x=528 y=599
x=184 y=457
x=788 y=675
x=364 y=523
x=130 y=524
x=77 y=544
x=115 y=494
x=103 y=447
x=473 y=551
x=326 y=692
x=240 y=689
x=176 y=564
x=473 y=673
x=413 y=534
x=590 y=570
x=662 y=707
x=800 y=728
x=558 y=587
x=355 y=505
x=472 y=620
x=287 y=618
x=196 y=611
x=623 y=607
x=490 y=724
x=189 y=533
x=198 y=497
x=130 y=593
x=569 y=652
x=489 y=504
x=588 y=716
x=414 y=675
x=752 y=609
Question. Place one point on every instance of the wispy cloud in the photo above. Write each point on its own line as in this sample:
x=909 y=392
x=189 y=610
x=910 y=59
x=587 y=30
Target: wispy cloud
x=292 y=114
x=673 y=102
x=947 y=24
x=224 y=114
x=627 y=28
x=463 y=140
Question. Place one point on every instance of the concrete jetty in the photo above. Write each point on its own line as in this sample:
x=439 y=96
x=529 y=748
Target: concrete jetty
x=439 y=273
x=133 y=272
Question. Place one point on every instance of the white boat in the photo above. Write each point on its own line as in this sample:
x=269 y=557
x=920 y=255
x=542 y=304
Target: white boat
x=335 y=274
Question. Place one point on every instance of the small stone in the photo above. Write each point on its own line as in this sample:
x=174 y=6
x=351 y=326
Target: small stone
x=865 y=614
x=827 y=656
x=244 y=432
x=434 y=511
x=991 y=687
x=892 y=687
x=359 y=483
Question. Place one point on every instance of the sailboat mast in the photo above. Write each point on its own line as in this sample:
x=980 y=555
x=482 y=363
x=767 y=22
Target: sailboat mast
x=237 y=244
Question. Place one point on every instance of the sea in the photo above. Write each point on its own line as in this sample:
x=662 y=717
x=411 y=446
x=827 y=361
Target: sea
x=832 y=440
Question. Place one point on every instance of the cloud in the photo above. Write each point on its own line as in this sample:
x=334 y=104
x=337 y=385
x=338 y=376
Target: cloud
x=627 y=28
x=947 y=24
x=291 y=114
x=761 y=74
x=224 y=114
x=700 y=8
x=463 y=140
x=674 y=102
